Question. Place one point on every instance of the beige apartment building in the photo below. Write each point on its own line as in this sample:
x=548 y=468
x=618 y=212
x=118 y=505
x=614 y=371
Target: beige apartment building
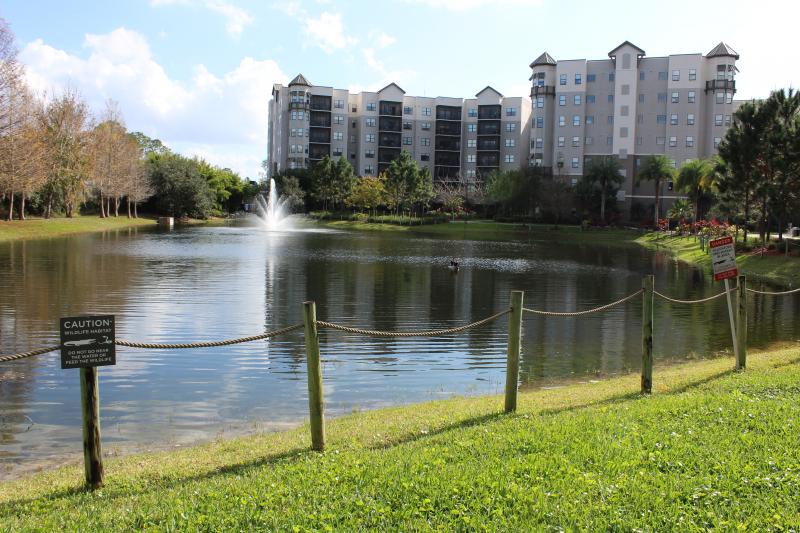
x=627 y=106
x=452 y=137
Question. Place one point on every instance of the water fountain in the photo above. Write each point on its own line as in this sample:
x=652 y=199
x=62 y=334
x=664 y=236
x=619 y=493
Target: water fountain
x=272 y=211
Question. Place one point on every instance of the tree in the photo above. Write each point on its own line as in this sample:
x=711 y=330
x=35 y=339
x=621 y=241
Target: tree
x=342 y=181
x=368 y=193
x=693 y=178
x=149 y=145
x=681 y=210
x=108 y=141
x=322 y=181
x=289 y=187
x=401 y=178
x=451 y=195
x=603 y=172
x=179 y=188
x=656 y=168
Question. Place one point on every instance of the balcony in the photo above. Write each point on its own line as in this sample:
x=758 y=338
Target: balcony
x=489 y=127
x=489 y=143
x=320 y=103
x=446 y=112
x=544 y=90
x=392 y=109
x=299 y=105
x=449 y=144
x=318 y=151
x=389 y=123
x=491 y=112
x=392 y=140
x=321 y=135
x=442 y=173
x=448 y=127
x=721 y=85
x=447 y=159
x=320 y=120
x=387 y=155
x=489 y=159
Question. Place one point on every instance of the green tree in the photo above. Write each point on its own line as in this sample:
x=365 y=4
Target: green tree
x=149 y=145
x=401 y=175
x=322 y=181
x=223 y=184
x=694 y=178
x=603 y=172
x=368 y=193
x=178 y=186
x=343 y=181
x=656 y=168
x=681 y=210
x=290 y=189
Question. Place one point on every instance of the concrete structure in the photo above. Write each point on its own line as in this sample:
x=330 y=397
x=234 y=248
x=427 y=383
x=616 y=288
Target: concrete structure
x=452 y=137
x=630 y=106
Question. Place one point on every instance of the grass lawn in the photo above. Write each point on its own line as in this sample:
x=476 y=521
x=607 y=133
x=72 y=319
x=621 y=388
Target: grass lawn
x=39 y=228
x=711 y=448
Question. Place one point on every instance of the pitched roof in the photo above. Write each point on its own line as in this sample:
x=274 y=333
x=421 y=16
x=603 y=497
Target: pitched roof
x=490 y=88
x=393 y=83
x=544 y=59
x=299 y=80
x=723 y=49
x=612 y=52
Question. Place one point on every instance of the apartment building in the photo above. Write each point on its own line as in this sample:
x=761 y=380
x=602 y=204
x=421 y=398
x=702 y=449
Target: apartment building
x=452 y=137
x=630 y=106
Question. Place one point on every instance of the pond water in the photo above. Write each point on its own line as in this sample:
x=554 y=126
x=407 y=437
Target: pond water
x=209 y=283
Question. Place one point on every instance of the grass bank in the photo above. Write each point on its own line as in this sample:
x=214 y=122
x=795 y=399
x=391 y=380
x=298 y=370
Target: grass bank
x=769 y=268
x=40 y=228
x=711 y=448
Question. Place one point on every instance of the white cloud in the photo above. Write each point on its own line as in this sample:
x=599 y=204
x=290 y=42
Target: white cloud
x=327 y=32
x=466 y=5
x=237 y=18
x=386 y=76
x=224 y=116
x=381 y=39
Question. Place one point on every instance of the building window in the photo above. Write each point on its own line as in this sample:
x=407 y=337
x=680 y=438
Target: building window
x=662 y=76
x=426 y=126
x=426 y=111
x=689 y=141
x=609 y=140
x=293 y=132
x=472 y=128
x=510 y=143
x=691 y=97
x=610 y=98
x=338 y=119
x=692 y=74
x=676 y=75
x=425 y=141
x=368 y=170
x=369 y=137
x=728 y=98
x=589 y=98
x=640 y=118
x=727 y=121
x=407 y=140
x=408 y=110
x=562 y=79
x=338 y=104
x=369 y=153
x=540 y=122
x=576 y=100
x=662 y=98
x=717 y=140
x=639 y=141
x=511 y=126
x=574 y=162
x=610 y=119
x=673 y=119
x=690 y=119
x=539 y=142
x=424 y=157
x=676 y=97
x=561 y=142
x=338 y=136
x=511 y=111
x=641 y=75
x=509 y=158
x=673 y=141
x=371 y=106
x=472 y=143
x=371 y=122
x=353 y=139
x=338 y=151
x=577 y=79
x=718 y=120
x=626 y=89
x=590 y=78
x=588 y=141
x=641 y=98
x=539 y=102
x=407 y=125
x=611 y=77
x=562 y=120
x=576 y=141
x=576 y=120
x=720 y=97
x=471 y=173
x=661 y=119
x=471 y=158
x=624 y=111
x=473 y=112
x=623 y=133
x=660 y=141
x=562 y=100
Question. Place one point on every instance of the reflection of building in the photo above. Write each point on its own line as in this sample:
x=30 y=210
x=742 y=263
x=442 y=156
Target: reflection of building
x=450 y=136
x=629 y=106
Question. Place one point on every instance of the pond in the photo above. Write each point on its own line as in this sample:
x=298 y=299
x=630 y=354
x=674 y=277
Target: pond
x=210 y=283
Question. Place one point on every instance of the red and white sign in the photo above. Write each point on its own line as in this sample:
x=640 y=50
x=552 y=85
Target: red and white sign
x=723 y=258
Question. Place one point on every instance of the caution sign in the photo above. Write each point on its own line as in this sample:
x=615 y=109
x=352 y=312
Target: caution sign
x=87 y=341
x=723 y=258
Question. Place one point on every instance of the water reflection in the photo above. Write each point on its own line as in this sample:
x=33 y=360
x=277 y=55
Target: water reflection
x=211 y=283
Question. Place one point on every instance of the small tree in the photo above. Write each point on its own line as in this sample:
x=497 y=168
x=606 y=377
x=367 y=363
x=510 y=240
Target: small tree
x=656 y=168
x=290 y=190
x=694 y=178
x=322 y=181
x=603 y=172
x=368 y=193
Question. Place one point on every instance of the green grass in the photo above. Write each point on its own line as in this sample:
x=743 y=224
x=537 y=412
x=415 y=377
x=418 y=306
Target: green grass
x=771 y=268
x=711 y=448
x=39 y=228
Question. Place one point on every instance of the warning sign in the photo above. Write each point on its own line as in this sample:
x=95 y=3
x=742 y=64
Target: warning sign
x=723 y=258
x=87 y=341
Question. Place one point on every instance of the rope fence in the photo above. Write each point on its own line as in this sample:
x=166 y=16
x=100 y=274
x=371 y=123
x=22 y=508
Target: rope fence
x=767 y=293
x=403 y=334
x=587 y=311
x=700 y=301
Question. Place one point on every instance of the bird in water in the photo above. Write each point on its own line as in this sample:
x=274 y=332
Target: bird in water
x=453 y=265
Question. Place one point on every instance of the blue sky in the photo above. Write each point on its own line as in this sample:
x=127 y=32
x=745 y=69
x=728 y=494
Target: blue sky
x=198 y=73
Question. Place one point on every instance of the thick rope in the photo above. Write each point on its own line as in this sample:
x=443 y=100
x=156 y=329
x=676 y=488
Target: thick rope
x=781 y=293
x=586 y=312
x=390 y=334
x=675 y=300
x=158 y=346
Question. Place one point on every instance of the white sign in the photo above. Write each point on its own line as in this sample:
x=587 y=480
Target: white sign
x=723 y=258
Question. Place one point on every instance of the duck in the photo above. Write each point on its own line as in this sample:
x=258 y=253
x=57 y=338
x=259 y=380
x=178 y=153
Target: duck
x=453 y=266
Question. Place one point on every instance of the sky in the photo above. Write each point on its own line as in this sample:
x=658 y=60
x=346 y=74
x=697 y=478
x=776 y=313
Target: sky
x=198 y=74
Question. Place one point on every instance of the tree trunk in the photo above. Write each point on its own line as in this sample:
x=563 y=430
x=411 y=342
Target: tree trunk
x=108 y=206
x=135 y=210
x=22 y=205
x=128 y=199
x=10 y=206
x=49 y=208
x=116 y=206
x=746 y=214
x=657 y=198
x=696 y=207
x=102 y=207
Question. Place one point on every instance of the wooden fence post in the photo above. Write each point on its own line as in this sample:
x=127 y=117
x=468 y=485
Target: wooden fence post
x=315 y=403
x=514 y=342
x=90 y=407
x=741 y=323
x=647 y=334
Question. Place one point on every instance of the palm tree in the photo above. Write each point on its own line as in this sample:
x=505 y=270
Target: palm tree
x=694 y=178
x=656 y=168
x=680 y=210
x=603 y=171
